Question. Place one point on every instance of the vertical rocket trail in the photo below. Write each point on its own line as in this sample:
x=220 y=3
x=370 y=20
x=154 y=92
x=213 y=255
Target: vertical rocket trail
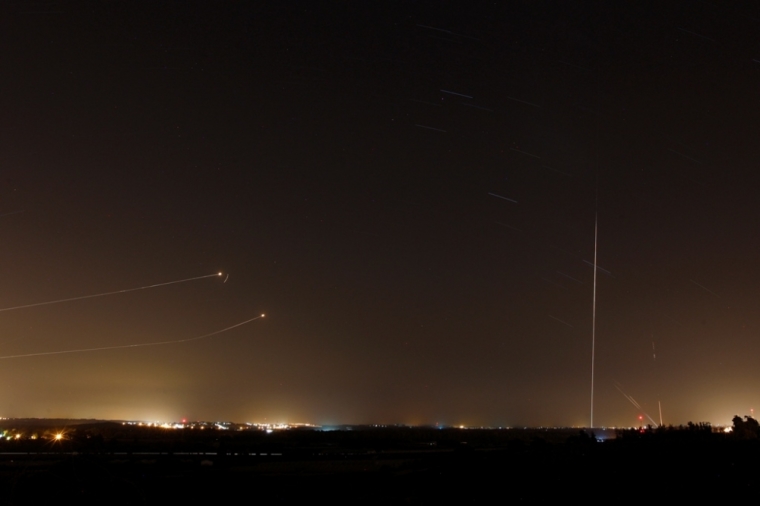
x=593 y=318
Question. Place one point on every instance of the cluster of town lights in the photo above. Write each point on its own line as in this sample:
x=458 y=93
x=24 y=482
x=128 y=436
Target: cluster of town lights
x=15 y=436
x=266 y=427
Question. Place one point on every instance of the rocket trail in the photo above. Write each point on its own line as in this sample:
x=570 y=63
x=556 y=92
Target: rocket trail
x=455 y=93
x=503 y=198
x=704 y=287
x=598 y=268
x=568 y=276
x=687 y=157
x=434 y=28
x=695 y=34
x=524 y=102
x=123 y=346
x=593 y=302
x=430 y=128
x=561 y=321
x=70 y=299
x=525 y=153
x=553 y=283
x=632 y=401
x=423 y=102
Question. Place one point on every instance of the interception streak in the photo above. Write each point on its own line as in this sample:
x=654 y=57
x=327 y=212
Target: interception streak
x=70 y=299
x=123 y=346
x=637 y=405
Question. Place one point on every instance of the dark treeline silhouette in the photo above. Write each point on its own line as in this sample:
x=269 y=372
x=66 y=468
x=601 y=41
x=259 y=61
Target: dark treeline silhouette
x=121 y=464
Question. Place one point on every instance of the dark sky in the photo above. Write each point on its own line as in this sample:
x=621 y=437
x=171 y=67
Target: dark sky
x=407 y=189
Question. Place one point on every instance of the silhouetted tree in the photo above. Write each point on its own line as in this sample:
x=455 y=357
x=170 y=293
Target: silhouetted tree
x=747 y=428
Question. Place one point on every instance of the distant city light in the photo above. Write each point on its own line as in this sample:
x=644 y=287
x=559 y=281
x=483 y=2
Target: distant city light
x=267 y=427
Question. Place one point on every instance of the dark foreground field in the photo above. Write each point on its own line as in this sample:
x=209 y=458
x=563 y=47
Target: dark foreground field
x=104 y=463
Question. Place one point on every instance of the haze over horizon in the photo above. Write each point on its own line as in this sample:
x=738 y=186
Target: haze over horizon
x=408 y=190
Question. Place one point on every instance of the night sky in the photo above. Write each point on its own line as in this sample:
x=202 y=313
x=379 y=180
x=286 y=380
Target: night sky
x=408 y=191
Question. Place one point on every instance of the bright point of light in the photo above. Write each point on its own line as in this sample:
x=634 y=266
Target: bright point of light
x=58 y=436
x=263 y=315
x=219 y=274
